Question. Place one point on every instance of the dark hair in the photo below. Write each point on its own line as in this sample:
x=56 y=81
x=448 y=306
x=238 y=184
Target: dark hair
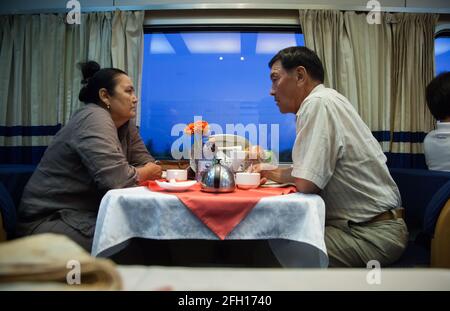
x=438 y=96
x=295 y=56
x=95 y=79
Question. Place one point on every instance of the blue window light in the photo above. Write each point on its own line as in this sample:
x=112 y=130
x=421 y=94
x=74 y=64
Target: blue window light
x=221 y=76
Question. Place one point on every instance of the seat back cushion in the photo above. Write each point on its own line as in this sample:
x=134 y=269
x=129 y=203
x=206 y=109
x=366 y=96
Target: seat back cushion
x=417 y=188
x=434 y=209
x=8 y=210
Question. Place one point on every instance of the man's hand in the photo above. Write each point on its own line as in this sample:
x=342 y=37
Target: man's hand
x=283 y=175
x=257 y=169
x=279 y=175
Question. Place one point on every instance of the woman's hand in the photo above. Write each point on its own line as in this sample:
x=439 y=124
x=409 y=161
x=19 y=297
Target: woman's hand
x=150 y=171
x=154 y=170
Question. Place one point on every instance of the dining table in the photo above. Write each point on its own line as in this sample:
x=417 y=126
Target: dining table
x=291 y=223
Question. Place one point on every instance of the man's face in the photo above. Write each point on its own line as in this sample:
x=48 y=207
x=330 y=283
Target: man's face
x=285 y=88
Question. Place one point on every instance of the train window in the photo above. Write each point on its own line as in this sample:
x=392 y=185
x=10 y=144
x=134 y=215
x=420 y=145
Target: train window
x=442 y=51
x=222 y=76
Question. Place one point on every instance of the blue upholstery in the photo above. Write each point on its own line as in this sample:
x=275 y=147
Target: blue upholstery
x=8 y=211
x=13 y=179
x=415 y=255
x=417 y=189
x=424 y=194
x=434 y=209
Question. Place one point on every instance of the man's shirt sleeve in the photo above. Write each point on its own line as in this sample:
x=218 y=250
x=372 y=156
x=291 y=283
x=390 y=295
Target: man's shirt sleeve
x=318 y=144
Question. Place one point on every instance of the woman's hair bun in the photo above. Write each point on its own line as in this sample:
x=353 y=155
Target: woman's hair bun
x=84 y=95
x=88 y=70
x=96 y=78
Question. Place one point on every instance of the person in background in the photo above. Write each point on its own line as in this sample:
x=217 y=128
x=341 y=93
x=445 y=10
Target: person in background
x=97 y=150
x=336 y=156
x=437 y=143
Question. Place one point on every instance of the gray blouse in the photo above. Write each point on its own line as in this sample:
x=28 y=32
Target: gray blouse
x=86 y=158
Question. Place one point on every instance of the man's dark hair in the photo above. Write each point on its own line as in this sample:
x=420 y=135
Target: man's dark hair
x=295 y=56
x=438 y=96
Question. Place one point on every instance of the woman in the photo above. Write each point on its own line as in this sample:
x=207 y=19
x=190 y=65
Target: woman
x=97 y=150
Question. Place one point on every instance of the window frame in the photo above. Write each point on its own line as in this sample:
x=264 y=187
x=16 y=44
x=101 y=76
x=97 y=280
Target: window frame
x=442 y=31
x=242 y=28
x=220 y=28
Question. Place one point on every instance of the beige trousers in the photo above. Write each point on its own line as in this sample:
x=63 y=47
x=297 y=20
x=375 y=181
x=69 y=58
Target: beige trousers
x=354 y=245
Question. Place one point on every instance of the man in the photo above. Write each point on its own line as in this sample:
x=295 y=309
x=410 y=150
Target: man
x=336 y=156
x=437 y=142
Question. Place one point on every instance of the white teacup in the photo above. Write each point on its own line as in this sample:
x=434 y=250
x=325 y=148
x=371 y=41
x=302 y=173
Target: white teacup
x=246 y=180
x=178 y=175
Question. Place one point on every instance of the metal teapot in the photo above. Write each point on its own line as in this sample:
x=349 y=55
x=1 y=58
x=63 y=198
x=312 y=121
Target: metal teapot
x=218 y=179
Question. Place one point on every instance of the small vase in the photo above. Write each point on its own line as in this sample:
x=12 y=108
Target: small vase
x=196 y=151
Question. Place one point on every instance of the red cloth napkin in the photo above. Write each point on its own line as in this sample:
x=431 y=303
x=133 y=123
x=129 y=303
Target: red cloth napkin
x=221 y=212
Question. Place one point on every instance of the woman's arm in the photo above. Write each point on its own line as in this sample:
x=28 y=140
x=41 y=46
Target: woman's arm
x=138 y=153
x=146 y=166
x=97 y=144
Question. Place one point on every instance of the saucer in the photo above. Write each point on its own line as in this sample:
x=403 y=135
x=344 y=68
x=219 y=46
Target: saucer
x=176 y=186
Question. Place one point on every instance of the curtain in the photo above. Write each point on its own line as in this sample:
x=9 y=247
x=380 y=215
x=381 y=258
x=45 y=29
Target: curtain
x=413 y=70
x=127 y=47
x=324 y=33
x=40 y=78
x=368 y=64
x=90 y=40
x=31 y=59
x=356 y=62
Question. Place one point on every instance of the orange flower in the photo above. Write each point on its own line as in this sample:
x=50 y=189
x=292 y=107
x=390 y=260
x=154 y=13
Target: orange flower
x=198 y=127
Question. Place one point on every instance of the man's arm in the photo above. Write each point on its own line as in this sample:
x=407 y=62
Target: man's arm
x=306 y=186
x=283 y=175
x=279 y=175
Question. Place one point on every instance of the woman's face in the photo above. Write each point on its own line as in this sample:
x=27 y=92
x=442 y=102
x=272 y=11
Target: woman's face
x=123 y=102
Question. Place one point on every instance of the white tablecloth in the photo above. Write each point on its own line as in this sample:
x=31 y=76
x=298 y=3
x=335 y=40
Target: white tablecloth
x=294 y=224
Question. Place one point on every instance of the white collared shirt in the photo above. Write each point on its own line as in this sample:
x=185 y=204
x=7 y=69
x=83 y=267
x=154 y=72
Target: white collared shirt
x=437 y=147
x=336 y=151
